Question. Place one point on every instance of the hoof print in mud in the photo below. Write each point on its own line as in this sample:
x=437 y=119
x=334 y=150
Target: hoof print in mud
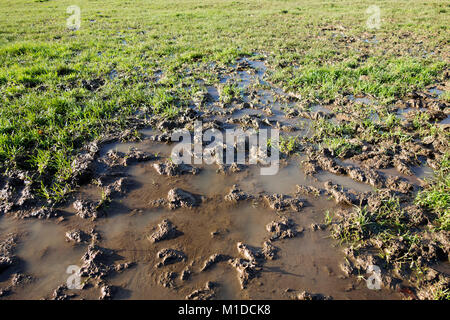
x=166 y=230
x=92 y=134
x=285 y=228
x=170 y=256
x=178 y=198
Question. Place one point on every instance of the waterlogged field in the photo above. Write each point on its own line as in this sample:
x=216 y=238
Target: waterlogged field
x=93 y=204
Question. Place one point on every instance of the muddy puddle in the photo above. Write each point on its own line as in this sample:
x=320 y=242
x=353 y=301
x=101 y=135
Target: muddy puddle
x=308 y=262
x=220 y=233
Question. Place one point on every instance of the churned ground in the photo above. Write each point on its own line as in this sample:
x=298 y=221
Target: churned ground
x=63 y=86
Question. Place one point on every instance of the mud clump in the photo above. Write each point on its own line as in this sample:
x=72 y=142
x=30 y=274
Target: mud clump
x=95 y=262
x=170 y=256
x=167 y=279
x=185 y=274
x=171 y=169
x=41 y=213
x=180 y=198
x=269 y=251
x=399 y=184
x=60 y=293
x=231 y=168
x=310 y=167
x=16 y=192
x=259 y=255
x=365 y=175
x=7 y=259
x=213 y=259
x=79 y=236
x=281 y=202
x=285 y=228
x=236 y=194
x=206 y=293
x=326 y=162
x=246 y=269
x=310 y=190
x=249 y=252
x=317 y=226
x=118 y=187
x=340 y=194
x=115 y=158
x=106 y=292
x=83 y=168
x=166 y=230
x=250 y=267
x=312 y=296
x=88 y=209
x=20 y=279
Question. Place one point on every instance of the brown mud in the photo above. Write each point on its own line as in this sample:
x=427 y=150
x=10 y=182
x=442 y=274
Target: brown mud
x=142 y=228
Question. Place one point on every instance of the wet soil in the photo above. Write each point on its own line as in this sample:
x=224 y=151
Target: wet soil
x=310 y=261
x=202 y=217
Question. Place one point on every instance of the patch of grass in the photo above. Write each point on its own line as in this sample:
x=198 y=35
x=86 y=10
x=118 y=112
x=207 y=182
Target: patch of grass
x=324 y=128
x=229 y=92
x=47 y=112
x=385 y=223
x=446 y=96
x=341 y=146
x=436 y=196
x=386 y=80
x=288 y=144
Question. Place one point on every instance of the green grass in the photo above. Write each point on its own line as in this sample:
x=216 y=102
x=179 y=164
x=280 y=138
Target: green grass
x=230 y=92
x=47 y=112
x=436 y=196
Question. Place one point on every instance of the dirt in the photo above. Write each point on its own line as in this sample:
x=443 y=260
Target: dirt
x=141 y=227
